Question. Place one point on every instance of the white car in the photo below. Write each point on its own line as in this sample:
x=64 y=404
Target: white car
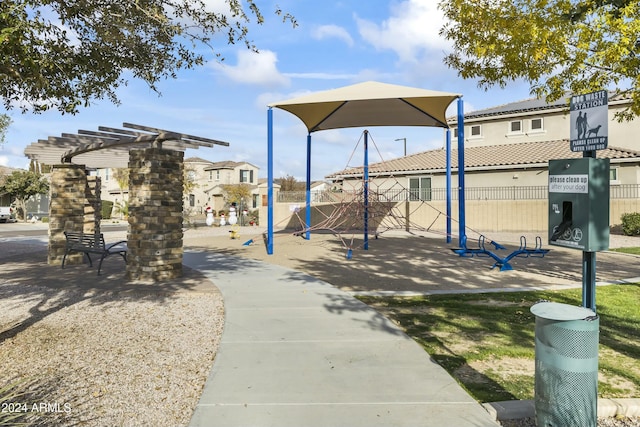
x=6 y=214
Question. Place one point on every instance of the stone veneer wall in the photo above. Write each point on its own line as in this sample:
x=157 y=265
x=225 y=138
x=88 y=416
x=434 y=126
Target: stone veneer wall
x=155 y=214
x=66 y=209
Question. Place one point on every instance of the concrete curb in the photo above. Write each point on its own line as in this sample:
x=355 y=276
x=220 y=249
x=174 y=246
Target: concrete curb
x=515 y=409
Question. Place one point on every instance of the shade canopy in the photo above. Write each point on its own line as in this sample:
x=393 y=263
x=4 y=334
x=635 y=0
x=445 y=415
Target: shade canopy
x=370 y=104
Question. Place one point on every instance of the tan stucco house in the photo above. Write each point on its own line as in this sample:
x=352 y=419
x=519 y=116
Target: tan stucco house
x=206 y=183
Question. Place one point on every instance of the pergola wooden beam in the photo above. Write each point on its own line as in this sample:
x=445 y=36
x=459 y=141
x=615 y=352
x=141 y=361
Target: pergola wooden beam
x=182 y=135
x=102 y=143
x=109 y=147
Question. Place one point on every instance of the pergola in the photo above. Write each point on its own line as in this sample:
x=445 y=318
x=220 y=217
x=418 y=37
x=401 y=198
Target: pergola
x=370 y=104
x=154 y=158
x=109 y=147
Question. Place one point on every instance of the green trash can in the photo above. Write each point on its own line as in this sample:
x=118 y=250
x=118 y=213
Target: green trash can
x=566 y=377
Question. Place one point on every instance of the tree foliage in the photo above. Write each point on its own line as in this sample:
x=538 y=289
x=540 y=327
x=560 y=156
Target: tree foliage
x=290 y=183
x=557 y=46
x=37 y=167
x=189 y=179
x=64 y=53
x=5 y=121
x=21 y=185
x=237 y=193
x=121 y=175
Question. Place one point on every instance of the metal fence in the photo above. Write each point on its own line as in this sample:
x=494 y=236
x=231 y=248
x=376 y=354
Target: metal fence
x=540 y=192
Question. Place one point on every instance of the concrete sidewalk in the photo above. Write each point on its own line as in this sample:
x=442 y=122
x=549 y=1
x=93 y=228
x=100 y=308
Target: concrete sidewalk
x=298 y=352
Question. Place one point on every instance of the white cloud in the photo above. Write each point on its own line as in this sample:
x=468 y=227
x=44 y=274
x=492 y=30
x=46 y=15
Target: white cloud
x=321 y=76
x=411 y=31
x=255 y=69
x=218 y=6
x=4 y=161
x=332 y=31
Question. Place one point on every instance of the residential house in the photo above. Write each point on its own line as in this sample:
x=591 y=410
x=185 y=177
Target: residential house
x=204 y=187
x=219 y=174
x=507 y=150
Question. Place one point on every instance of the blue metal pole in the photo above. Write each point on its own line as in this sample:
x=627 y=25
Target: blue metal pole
x=308 y=204
x=366 y=190
x=448 y=182
x=270 y=181
x=461 y=208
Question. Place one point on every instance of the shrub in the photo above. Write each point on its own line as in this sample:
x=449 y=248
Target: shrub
x=254 y=216
x=106 y=208
x=122 y=208
x=631 y=224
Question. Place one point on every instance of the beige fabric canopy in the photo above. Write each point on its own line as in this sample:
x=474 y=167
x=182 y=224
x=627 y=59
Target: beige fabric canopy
x=370 y=104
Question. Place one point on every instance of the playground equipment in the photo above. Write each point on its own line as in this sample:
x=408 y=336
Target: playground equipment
x=234 y=233
x=379 y=202
x=502 y=263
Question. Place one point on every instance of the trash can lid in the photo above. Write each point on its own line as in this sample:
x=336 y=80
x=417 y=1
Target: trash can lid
x=560 y=311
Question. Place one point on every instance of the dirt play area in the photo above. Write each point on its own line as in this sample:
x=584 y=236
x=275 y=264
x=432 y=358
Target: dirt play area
x=416 y=262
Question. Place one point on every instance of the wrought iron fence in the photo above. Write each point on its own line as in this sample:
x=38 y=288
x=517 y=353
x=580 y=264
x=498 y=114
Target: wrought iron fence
x=539 y=192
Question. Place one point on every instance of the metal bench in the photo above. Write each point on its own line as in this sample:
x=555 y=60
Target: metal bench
x=92 y=244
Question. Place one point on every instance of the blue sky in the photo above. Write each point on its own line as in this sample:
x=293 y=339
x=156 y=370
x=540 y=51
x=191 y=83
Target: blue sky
x=337 y=43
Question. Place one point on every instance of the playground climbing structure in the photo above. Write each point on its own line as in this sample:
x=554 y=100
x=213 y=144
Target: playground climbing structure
x=382 y=204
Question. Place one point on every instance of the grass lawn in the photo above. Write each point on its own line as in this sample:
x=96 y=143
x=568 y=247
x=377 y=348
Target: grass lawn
x=634 y=251
x=486 y=341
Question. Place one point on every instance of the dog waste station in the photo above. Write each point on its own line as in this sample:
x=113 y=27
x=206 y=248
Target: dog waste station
x=566 y=336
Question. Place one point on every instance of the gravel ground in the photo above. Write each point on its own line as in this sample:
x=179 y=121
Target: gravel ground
x=99 y=358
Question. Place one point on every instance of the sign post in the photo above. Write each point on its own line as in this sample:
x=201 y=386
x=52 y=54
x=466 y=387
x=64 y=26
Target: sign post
x=589 y=133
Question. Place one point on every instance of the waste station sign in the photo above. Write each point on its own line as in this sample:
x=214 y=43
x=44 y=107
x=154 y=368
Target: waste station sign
x=589 y=115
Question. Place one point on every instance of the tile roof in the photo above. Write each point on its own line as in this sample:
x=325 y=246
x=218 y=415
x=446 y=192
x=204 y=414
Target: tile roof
x=490 y=157
x=7 y=170
x=528 y=105
x=196 y=160
x=226 y=164
x=531 y=104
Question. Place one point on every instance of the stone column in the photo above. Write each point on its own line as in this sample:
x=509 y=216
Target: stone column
x=155 y=214
x=66 y=209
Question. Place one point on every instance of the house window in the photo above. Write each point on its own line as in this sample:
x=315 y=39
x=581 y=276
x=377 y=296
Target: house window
x=210 y=175
x=420 y=189
x=613 y=176
x=515 y=126
x=474 y=132
x=246 y=176
x=106 y=174
x=217 y=175
x=192 y=200
x=537 y=125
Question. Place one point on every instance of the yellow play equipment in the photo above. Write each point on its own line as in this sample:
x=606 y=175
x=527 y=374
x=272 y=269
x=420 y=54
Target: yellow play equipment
x=234 y=233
